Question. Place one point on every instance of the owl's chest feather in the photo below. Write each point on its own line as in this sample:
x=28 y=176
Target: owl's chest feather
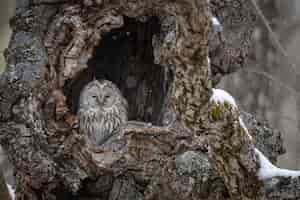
x=98 y=125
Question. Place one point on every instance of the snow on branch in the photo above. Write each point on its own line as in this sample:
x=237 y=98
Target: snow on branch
x=267 y=170
x=215 y=21
x=11 y=191
x=221 y=97
x=216 y=25
x=245 y=128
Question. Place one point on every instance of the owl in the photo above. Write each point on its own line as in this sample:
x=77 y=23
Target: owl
x=102 y=108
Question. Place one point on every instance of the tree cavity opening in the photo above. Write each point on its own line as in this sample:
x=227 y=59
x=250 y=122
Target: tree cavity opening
x=125 y=57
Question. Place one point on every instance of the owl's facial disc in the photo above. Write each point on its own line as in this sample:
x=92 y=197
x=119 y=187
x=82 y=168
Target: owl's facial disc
x=92 y=102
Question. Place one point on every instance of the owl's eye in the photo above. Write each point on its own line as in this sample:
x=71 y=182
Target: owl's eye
x=94 y=96
x=106 y=96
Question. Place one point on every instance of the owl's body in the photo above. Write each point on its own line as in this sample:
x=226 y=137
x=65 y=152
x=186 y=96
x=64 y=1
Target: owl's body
x=102 y=108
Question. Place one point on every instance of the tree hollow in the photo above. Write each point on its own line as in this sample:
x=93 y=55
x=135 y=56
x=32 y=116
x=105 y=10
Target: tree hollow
x=125 y=57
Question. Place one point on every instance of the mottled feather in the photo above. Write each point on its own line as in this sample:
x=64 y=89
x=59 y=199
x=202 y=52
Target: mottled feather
x=102 y=108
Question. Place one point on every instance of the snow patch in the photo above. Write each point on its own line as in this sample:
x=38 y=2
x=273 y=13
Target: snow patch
x=215 y=21
x=267 y=170
x=245 y=128
x=11 y=191
x=208 y=60
x=221 y=96
x=216 y=25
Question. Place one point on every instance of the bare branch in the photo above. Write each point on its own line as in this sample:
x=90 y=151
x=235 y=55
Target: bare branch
x=274 y=37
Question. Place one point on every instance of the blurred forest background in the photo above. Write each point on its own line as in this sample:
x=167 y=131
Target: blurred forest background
x=6 y=12
x=7 y=8
x=268 y=87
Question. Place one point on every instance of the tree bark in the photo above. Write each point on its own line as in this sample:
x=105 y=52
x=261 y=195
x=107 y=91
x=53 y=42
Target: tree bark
x=177 y=144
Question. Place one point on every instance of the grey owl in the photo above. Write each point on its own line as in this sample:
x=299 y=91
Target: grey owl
x=102 y=108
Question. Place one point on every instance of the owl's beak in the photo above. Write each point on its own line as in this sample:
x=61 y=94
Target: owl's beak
x=100 y=99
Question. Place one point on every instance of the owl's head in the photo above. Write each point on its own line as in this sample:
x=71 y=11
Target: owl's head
x=99 y=95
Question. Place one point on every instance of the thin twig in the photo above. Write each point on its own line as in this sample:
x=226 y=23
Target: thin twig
x=274 y=79
x=273 y=36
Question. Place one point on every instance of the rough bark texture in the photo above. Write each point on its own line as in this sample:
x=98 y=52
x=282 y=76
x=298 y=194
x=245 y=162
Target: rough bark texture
x=270 y=142
x=230 y=45
x=178 y=145
x=283 y=188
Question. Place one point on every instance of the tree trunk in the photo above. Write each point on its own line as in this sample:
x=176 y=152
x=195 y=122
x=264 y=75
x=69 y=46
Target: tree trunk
x=177 y=144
